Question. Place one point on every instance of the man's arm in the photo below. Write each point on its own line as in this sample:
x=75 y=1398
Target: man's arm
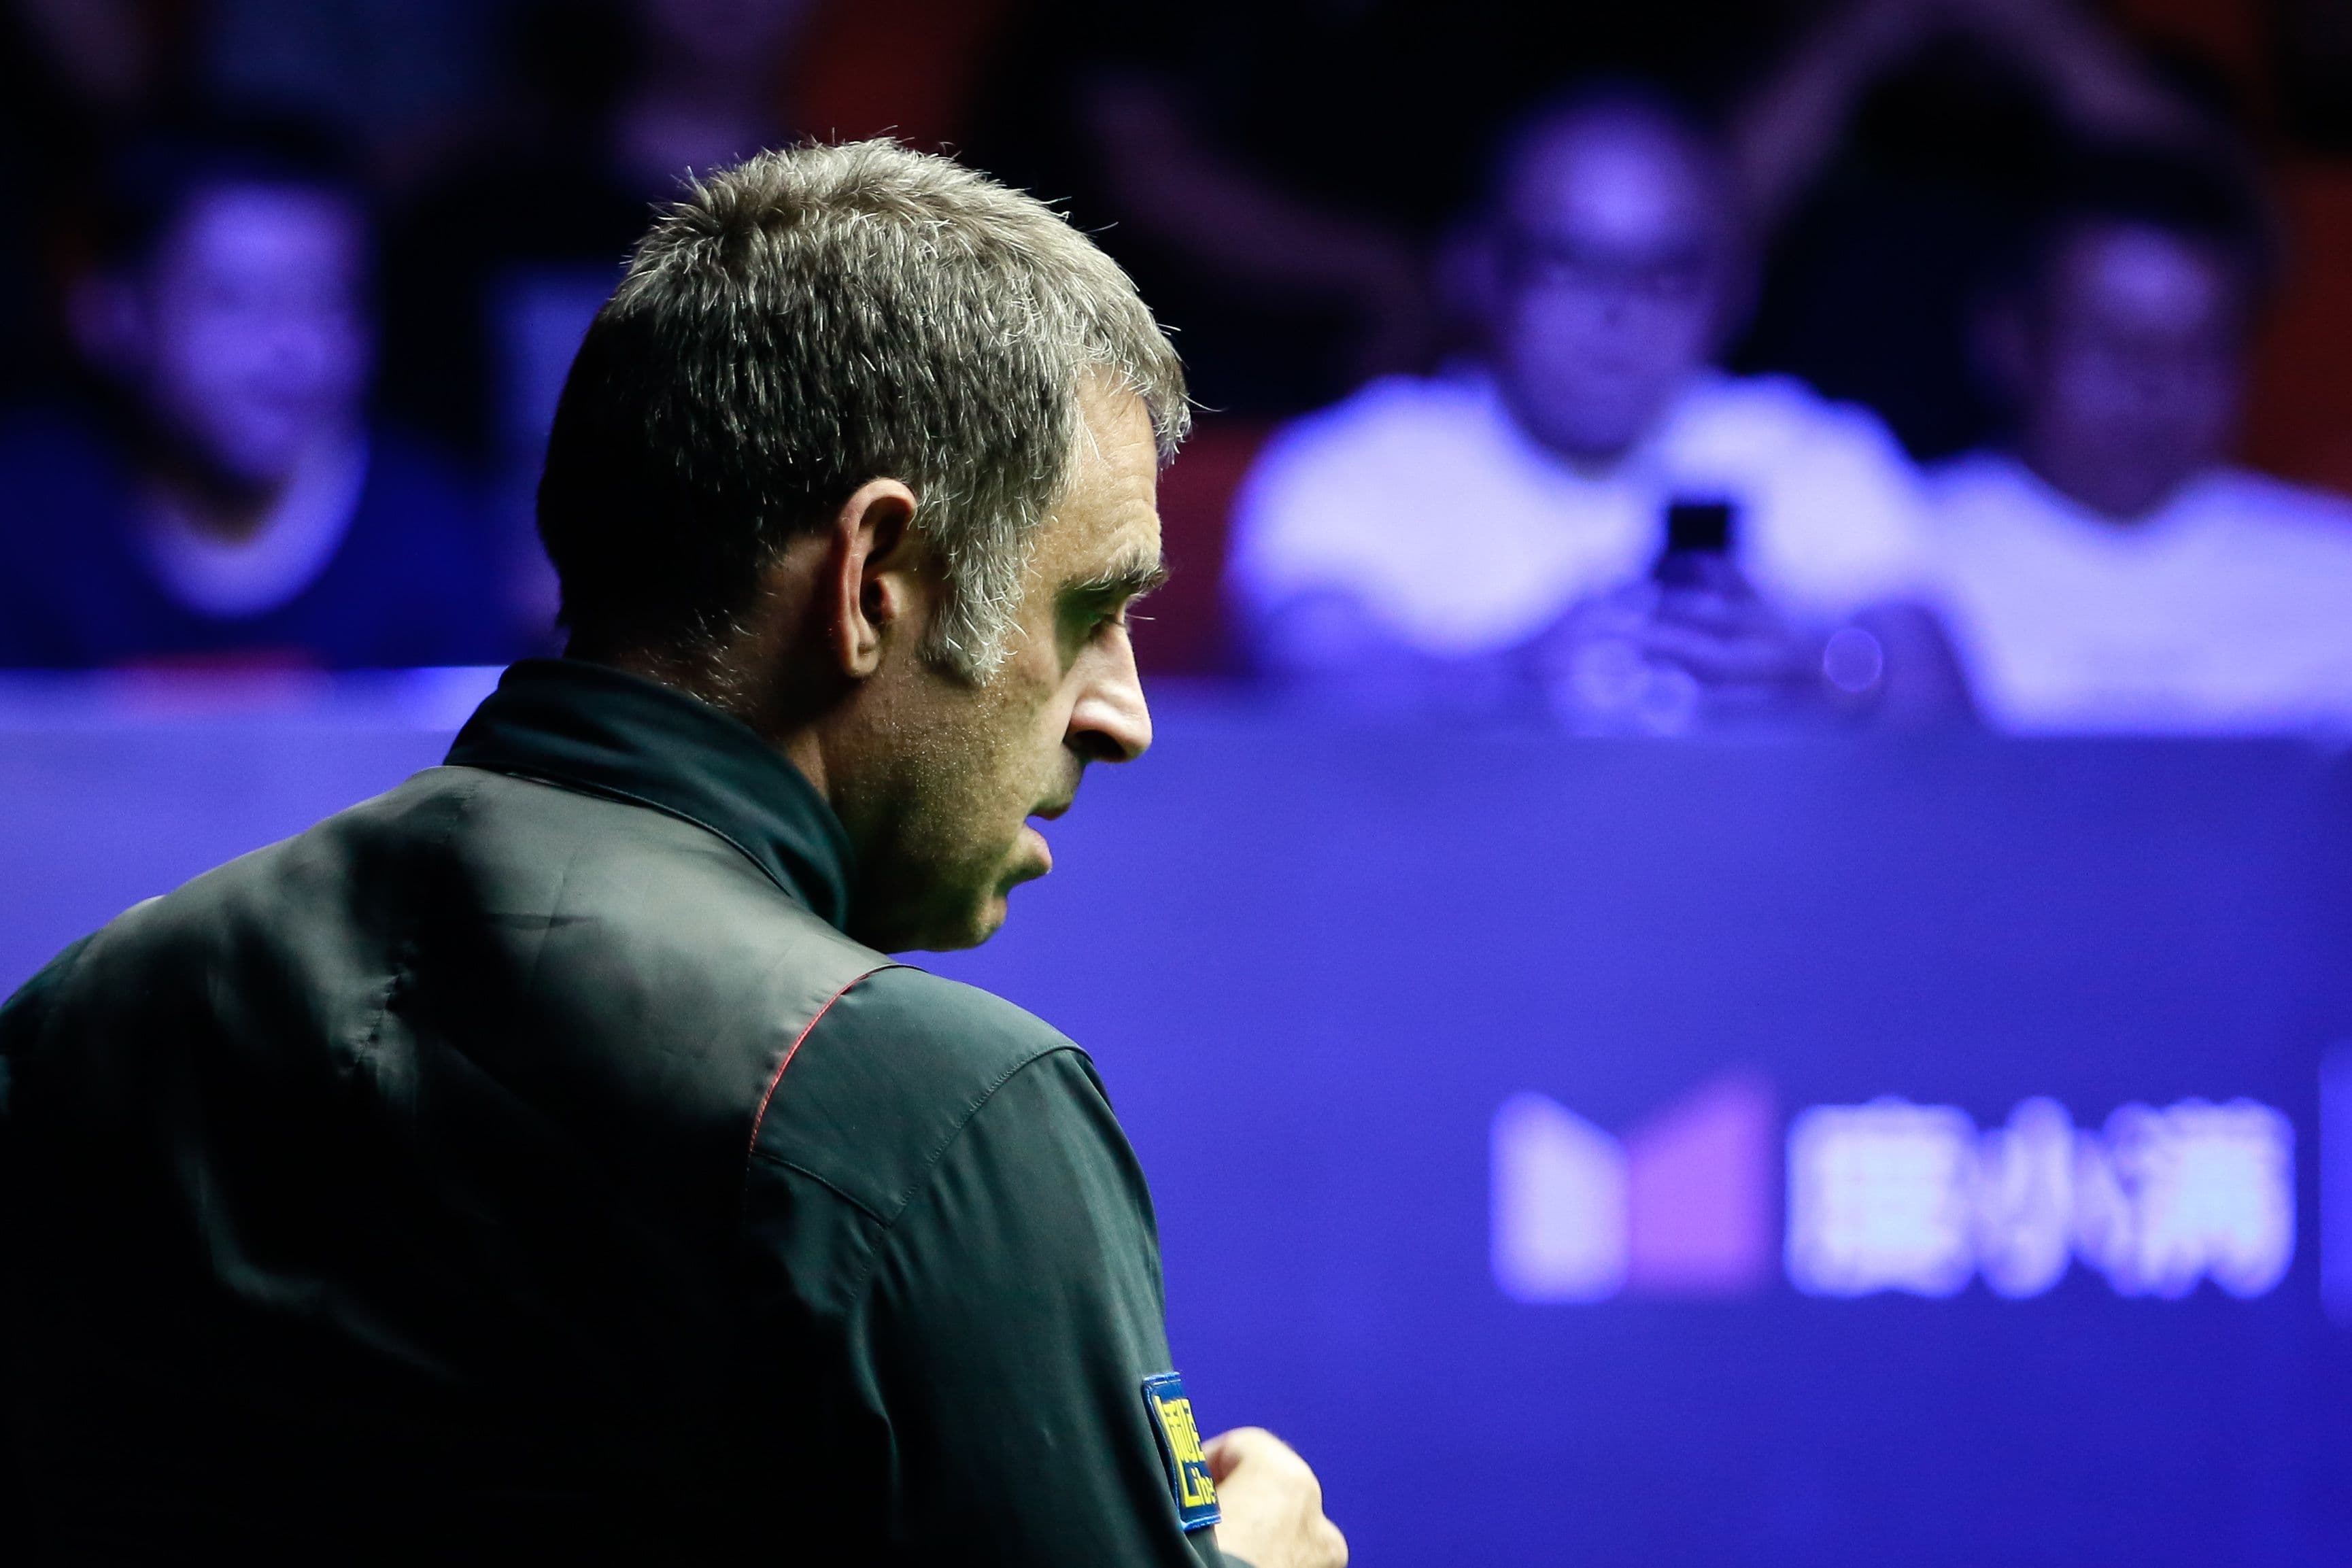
x=1011 y=1397
x=1015 y=1318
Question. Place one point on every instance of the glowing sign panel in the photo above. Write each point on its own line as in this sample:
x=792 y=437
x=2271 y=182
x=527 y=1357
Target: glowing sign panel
x=1897 y=1197
x=1878 y=1199
x=1558 y=1204
x=2194 y=1191
x=1891 y=1195
x=1681 y=1207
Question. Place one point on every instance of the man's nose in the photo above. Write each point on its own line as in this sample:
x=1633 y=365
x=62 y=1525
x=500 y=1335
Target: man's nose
x=1111 y=721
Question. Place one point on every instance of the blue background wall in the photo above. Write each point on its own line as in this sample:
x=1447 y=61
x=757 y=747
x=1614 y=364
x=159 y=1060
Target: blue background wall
x=1312 y=961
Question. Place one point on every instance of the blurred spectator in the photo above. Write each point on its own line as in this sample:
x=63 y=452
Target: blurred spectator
x=222 y=497
x=1495 y=528
x=2111 y=571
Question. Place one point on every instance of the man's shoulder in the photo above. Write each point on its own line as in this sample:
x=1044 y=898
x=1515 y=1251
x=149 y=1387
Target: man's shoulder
x=1987 y=499
x=916 y=1004
x=658 y=955
x=1368 y=482
x=1978 y=470
x=1778 y=418
x=634 y=962
x=891 y=1073
x=689 y=991
x=1397 y=423
x=2259 y=502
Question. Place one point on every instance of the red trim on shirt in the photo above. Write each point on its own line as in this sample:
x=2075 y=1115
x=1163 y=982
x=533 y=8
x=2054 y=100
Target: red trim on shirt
x=790 y=1052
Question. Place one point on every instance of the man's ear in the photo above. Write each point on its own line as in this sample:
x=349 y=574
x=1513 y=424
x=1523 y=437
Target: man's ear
x=875 y=588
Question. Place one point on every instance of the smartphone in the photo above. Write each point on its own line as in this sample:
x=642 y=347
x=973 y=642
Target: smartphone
x=1698 y=543
x=1698 y=528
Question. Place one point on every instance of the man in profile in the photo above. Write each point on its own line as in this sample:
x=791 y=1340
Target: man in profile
x=543 y=1161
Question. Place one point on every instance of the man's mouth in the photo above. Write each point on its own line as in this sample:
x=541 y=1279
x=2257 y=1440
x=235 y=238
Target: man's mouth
x=1036 y=840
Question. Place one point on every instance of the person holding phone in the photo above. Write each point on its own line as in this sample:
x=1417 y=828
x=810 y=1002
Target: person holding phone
x=1464 y=527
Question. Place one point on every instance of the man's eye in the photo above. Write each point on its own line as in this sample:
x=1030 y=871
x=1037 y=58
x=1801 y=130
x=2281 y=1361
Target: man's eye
x=1108 y=618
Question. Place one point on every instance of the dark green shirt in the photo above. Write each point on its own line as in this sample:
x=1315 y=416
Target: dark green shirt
x=524 y=1162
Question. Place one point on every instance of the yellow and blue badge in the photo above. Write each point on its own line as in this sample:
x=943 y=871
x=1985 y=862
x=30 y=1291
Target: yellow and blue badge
x=1180 y=1445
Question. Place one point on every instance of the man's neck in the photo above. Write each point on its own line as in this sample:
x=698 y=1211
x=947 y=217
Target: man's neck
x=724 y=681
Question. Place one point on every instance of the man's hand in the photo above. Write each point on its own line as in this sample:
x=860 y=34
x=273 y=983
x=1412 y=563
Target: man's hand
x=1271 y=1502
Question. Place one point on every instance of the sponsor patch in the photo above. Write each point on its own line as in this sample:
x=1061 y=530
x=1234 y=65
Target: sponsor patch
x=1180 y=1445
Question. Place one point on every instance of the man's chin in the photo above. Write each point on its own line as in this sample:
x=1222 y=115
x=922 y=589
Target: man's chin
x=967 y=927
x=985 y=922
x=1030 y=861
x=946 y=923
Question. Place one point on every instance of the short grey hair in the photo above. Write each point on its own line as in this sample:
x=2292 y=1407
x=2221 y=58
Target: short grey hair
x=810 y=320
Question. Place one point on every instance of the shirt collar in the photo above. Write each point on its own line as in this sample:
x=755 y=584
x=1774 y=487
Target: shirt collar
x=601 y=731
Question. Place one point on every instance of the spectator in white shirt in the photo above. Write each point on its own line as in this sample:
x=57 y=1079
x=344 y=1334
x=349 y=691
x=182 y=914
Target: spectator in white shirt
x=2114 y=571
x=1497 y=527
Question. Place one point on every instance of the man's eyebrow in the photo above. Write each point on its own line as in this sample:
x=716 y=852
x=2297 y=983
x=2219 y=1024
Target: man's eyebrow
x=1131 y=580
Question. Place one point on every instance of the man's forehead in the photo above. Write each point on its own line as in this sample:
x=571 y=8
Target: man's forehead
x=241 y=210
x=1107 y=524
x=2145 y=273
x=1612 y=176
x=1121 y=561
x=1118 y=459
x=1114 y=423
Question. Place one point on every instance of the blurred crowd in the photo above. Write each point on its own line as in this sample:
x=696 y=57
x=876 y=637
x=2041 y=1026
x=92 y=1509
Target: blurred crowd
x=1699 y=365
